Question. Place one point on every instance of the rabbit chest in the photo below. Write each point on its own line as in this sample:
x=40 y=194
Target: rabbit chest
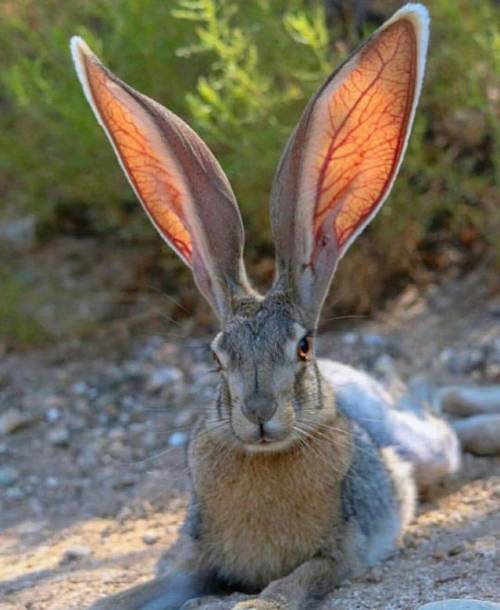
x=261 y=515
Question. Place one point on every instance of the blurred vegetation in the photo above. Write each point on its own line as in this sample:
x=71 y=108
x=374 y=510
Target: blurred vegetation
x=240 y=73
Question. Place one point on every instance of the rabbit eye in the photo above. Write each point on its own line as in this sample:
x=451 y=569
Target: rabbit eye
x=304 y=348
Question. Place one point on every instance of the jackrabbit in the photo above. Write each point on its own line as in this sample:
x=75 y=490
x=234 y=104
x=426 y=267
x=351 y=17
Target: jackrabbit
x=303 y=471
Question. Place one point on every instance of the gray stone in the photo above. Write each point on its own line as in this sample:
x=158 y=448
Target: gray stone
x=150 y=538
x=177 y=439
x=8 y=476
x=20 y=233
x=461 y=604
x=75 y=552
x=80 y=388
x=162 y=377
x=59 y=437
x=15 y=493
x=13 y=420
x=52 y=415
x=479 y=434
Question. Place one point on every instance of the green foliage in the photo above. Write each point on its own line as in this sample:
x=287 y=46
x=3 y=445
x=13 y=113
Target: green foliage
x=240 y=73
x=17 y=326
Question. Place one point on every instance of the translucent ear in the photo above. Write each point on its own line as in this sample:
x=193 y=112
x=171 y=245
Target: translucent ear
x=176 y=178
x=343 y=157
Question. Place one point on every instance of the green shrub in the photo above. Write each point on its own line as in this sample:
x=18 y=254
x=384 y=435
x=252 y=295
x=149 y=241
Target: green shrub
x=240 y=74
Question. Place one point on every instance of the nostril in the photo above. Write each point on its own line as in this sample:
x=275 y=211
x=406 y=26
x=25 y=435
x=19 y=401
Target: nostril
x=259 y=408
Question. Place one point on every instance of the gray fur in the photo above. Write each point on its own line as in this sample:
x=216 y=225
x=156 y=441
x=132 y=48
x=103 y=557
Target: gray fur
x=369 y=501
x=425 y=441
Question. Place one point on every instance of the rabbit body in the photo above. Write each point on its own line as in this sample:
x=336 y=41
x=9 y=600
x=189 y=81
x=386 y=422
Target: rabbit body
x=260 y=516
x=338 y=491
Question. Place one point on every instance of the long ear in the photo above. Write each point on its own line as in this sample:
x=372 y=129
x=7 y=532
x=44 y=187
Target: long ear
x=176 y=178
x=342 y=159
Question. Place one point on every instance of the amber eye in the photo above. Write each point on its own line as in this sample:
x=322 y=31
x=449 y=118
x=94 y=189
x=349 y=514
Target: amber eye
x=304 y=348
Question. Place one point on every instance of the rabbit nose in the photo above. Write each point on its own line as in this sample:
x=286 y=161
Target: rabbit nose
x=259 y=407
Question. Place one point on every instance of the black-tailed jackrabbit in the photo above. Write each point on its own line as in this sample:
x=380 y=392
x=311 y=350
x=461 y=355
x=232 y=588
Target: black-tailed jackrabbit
x=302 y=471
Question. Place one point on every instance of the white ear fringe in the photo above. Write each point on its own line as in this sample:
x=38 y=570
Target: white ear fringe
x=79 y=47
x=419 y=17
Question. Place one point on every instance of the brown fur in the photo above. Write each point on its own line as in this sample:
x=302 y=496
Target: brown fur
x=264 y=514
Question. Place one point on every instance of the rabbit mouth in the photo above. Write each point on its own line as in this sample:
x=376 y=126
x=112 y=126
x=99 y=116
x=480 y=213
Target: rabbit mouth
x=266 y=441
x=269 y=446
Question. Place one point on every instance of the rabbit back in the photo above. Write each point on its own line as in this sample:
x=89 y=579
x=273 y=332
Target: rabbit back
x=427 y=442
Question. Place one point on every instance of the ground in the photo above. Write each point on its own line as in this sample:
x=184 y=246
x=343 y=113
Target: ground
x=93 y=484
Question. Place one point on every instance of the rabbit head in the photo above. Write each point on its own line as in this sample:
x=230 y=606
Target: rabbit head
x=337 y=170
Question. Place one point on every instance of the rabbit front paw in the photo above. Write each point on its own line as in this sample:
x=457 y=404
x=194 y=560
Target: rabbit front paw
x=260 y=603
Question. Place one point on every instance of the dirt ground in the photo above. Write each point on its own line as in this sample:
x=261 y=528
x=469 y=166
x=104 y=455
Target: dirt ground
x=93 y=484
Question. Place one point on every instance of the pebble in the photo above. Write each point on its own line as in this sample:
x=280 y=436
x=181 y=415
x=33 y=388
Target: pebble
x=79 y=388
x=118 y=451
x=13 y=420
x=183 y=418
x=461 y=604
x=150 y=538
x=350 y=338
x=8 y=476
x=462 y=362
x=479 y=434
x=59 y=437
x=457 y=549
x=15 y=493
x=163 y=377
x=52 y=415
x=75 y=552
x=177 y=439
x=148 y=440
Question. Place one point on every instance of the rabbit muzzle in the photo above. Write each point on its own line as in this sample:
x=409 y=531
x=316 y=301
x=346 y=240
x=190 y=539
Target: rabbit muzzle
x=263 y=422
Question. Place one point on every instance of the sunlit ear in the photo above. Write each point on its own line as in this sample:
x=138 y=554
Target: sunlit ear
x=176 y=178
x=343 y=157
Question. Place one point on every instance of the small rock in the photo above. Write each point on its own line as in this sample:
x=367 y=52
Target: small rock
x=479 y=434
x=373 y=340
x=462 y=362
x=77 y=424
x=177 y=439
x=118 y=451
x=76 y=552
x=148 y=440
x=349 y=338
x=80 y=388
x=163 y=377
x=52 y=415
x=438 y=556
x=117 y=434
x=183 y=418
x=13 y=420
x=127 y=480
x=8 y=476
x=375 y=575
x=15 y=493
x=150 y=538
x=19 y=232
x=460 y=604
x=59 y=437
x=457 y=549
x=52 y=482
